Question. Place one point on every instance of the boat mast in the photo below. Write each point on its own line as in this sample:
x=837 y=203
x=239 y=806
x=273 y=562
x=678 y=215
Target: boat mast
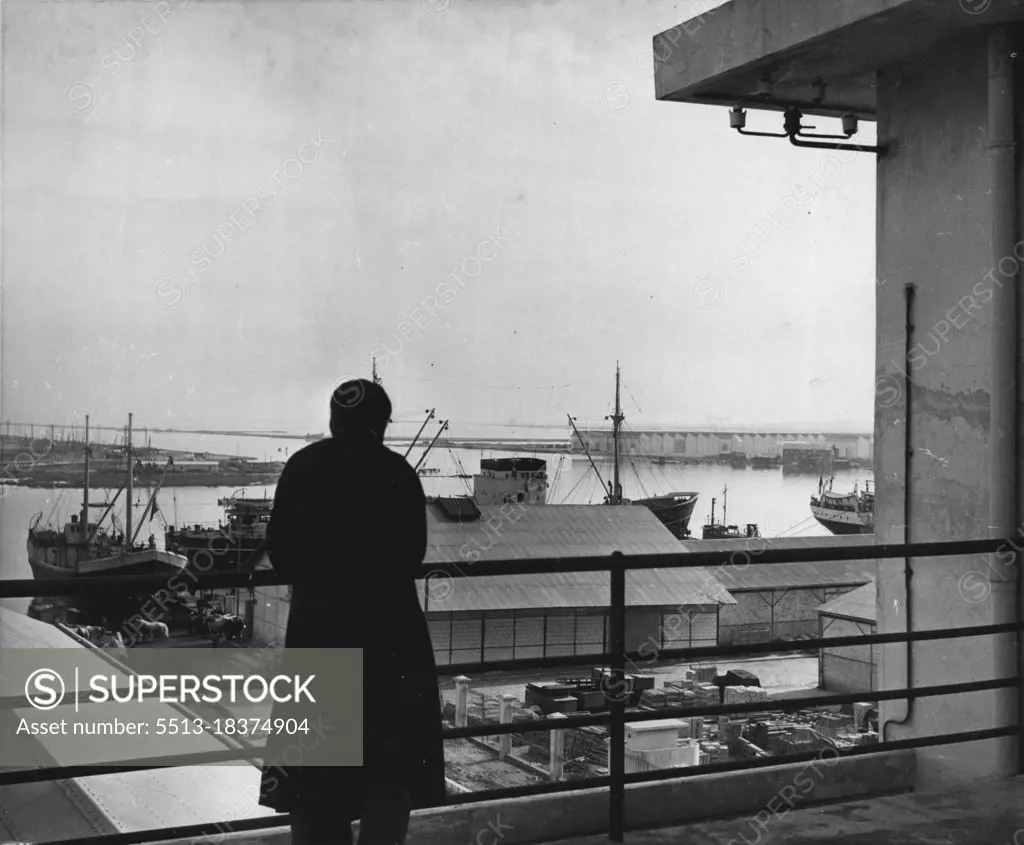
x=128 y=483
x=152 y=499
x=423 y=457
x=103 y=516
x=586 y=451
x=85 y=491
x=616 y=492
x=430 y=416
x=376 y=378
x=725 y=504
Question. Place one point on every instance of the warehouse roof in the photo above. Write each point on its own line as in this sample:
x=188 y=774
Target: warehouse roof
x=522 y=532
x=860 y=604
x=739 y=574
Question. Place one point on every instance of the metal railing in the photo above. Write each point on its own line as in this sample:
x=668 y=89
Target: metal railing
x=618 y=565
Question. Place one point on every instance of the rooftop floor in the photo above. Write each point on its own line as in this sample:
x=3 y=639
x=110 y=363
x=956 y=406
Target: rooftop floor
x=989 y=813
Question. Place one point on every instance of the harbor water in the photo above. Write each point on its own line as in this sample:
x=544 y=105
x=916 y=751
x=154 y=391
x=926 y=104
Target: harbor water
x=778 y=503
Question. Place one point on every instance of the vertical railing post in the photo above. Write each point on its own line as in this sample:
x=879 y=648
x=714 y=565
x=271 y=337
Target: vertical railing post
x=505 y=740
x=461 y=701
x=617 y=701
x=557 y=751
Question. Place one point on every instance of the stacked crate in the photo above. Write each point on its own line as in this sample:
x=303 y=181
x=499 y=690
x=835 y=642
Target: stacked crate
x=668 y=696
x=705 y=674
x=693 y=728
x=745 y=695
x=833 y=724
x=713 y=752
x=706 y=694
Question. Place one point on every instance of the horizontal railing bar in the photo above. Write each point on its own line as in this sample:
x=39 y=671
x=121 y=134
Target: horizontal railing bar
x=28 y=588
x=739 y=652
x=252 y=753
x=755 y=557
x=269 y=822
x=12 y=702
x=200 y=758
x=854 y=751
x=731 y=766
x=782 y=704
x=89 y=584
x=213 y=832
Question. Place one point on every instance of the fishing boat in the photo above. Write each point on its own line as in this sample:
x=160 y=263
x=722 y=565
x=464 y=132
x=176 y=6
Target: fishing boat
x=229 y=544
x=713 y=530
x=844 y=513
x=84 y=547
x=672 y=509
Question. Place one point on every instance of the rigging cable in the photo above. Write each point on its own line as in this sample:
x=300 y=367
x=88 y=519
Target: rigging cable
x=579 y=481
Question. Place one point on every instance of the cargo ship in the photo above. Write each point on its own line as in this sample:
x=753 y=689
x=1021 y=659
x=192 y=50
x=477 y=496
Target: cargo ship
x=844 y=513
x=673 y=509
x=84 y=547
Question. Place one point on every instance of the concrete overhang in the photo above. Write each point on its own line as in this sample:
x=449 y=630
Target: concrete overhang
x=722 y=56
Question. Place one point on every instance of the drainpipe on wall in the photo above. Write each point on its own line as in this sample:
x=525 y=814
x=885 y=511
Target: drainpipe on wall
x=1003 y=503
x=908 y=455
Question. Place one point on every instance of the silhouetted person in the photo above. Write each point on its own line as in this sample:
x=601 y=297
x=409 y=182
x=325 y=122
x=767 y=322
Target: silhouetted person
x=349 y=529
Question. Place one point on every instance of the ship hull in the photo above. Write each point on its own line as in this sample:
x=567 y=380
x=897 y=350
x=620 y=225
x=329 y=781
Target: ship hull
x=843 y=522
x=143 y=562
x=674 y=511
x=212 y=551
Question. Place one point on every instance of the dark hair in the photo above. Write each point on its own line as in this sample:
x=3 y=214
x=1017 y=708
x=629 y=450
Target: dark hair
x=358 y=406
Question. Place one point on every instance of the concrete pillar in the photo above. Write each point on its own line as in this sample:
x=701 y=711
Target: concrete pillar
x=505 y=740
x=557 y=767
x=461 y=701
x=934 y=226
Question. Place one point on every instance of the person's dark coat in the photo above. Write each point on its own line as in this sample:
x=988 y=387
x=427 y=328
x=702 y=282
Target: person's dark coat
x=349 y=527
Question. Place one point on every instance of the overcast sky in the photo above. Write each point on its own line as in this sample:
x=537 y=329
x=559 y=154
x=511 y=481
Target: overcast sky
x=321 y=168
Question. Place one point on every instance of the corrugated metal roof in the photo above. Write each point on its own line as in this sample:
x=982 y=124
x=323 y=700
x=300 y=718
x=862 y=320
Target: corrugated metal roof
x=857 y=604
x=522 y=532
x=737 y=575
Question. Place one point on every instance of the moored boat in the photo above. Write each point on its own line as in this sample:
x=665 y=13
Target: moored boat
x=226 y=546
x=84 y=547
x=721 y=530
x=673 y=510
x=844 y=513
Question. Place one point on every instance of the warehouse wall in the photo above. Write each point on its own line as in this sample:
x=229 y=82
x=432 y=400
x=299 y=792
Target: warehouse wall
x=472 y=637
x=763 y=615
x=847 y=669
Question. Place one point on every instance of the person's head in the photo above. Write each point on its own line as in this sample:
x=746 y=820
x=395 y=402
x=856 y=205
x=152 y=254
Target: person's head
x=358 y=407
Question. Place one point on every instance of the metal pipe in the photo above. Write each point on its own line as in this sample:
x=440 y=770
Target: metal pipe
x=617 y=727
x=1003 y=468
x=908 y=455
